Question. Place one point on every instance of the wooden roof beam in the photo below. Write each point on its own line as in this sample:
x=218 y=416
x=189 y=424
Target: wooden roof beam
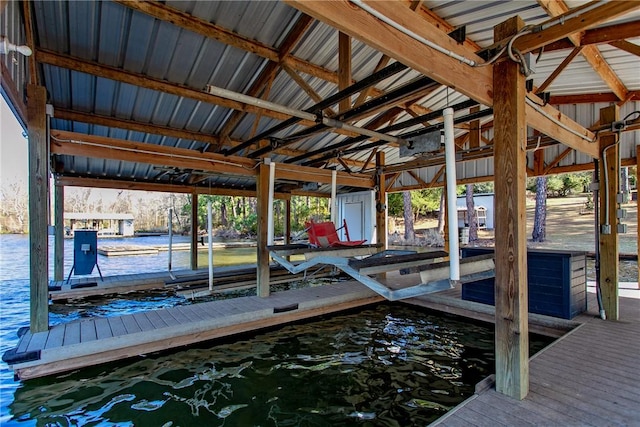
x=136 y=79
x=629 y=47
x=606 y=12
x=590 y=53
x=271 y=70
x=194 y=24
x=608 y=34
x=476 y=83
x=93 y=146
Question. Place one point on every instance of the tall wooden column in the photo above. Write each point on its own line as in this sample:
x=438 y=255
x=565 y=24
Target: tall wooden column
x=512 y=330
x=609 y=241
x=58 y=248
x=262 y=194
x=194 y=231
x=38 y=208
x=381 y=203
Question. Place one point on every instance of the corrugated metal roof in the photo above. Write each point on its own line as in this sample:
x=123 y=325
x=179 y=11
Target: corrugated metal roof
x=112 y=34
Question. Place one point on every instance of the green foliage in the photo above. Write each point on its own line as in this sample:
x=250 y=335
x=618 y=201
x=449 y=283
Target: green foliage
x=563 y=185
x=395 y=204
x=426 y=201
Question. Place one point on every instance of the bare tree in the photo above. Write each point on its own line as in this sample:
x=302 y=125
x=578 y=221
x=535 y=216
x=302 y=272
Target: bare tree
x=441 y=213
x=14 y=207
x=539 y=233
x=471 y=214
x=409 y=231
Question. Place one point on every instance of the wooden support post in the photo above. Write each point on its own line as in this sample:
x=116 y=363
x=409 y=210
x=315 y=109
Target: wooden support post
x=262 y=195
x=58 y=248
x=38 y=207
x=381 y=203
x=344 y=67
x=194 y=231
x=609 y=241
x=638 y=202
x=512 y=330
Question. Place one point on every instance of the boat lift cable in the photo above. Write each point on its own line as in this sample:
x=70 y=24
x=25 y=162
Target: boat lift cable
x=414 y=86
x=397 y=126
x=461 y=119
x=371 y=80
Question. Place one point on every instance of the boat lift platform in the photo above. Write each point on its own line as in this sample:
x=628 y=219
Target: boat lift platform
x=434 y=272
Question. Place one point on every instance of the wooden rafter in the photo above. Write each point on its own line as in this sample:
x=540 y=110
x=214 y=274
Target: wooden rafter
x=344 y=68
x=417 y=178
x=600 y=35
x=302 y=83
x=207 y=29
x=590 y=53
x=113 y=73
x=11 y=90
x=93 y=146
x=384 y=60
x=598 y=15
x=590 y=98
x=473 y=82
x=31 y=41
x=632 y=48
x=271 y=70
x=557 y=160
x=100 y=120
x=559 y=69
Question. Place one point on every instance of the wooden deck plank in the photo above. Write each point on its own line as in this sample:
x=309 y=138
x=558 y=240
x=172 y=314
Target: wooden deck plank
x=38 y=341
x=143 y=321
x=592 y=389
x=130 y=324
x=479 y=419
x=156 y=320
x=495 y=408
x=71 y=333
x=178 y=315
x=117 y=326
x=190 y=313
x=56 y=337
x=103 y=330
x=88 y=330
x=24 y=342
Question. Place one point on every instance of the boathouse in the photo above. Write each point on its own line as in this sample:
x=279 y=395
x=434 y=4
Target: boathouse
x=273 y=99
x=106 y=224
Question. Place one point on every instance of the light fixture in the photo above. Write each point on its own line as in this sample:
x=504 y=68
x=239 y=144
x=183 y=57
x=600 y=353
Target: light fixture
x=6 y=46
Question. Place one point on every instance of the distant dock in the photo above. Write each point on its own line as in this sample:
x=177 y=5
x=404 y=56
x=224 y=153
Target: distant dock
x=128 y=250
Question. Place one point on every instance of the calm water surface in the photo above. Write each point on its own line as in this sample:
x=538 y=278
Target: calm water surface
x=388 y=366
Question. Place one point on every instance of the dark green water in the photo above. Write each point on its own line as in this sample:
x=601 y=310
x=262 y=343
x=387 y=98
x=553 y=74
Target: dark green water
x=386 y=366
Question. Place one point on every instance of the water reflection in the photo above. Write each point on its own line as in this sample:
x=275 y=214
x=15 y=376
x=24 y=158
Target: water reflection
x=389 y=366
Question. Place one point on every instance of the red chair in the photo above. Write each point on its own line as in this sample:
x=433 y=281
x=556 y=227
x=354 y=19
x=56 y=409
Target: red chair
x=325 y=235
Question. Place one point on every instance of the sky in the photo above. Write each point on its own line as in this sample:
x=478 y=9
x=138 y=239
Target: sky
x=14 y=160
x=13 y=148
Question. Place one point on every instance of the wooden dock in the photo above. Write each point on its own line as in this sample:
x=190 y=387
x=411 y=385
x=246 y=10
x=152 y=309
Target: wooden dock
x=89 y=342
x=589 y=377
x=224 y=278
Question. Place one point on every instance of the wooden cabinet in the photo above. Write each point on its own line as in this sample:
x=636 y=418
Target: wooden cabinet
x=557 y=282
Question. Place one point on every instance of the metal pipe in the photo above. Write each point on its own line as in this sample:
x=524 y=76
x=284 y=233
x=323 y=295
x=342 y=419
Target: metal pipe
x=596 y=212
x=334 y=185
x=452 y=208
x=170 y=225
x=210 y=243
x=270 y=219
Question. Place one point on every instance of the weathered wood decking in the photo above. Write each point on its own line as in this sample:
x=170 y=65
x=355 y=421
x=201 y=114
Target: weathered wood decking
x=589 y=377
x=94 y=341
x=83 y=287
